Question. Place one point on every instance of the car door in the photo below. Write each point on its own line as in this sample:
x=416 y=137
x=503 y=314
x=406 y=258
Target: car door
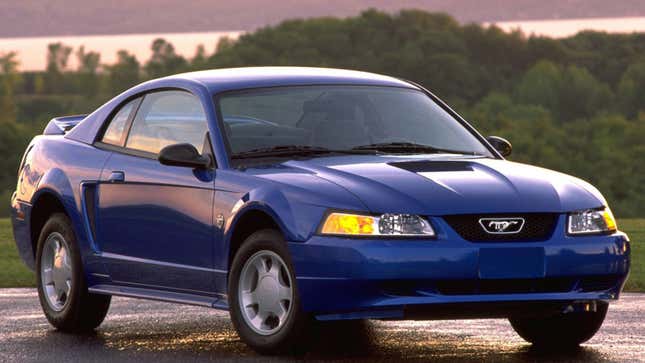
x=154 y=222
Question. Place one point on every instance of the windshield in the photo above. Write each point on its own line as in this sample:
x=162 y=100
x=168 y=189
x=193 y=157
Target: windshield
x=317 y=119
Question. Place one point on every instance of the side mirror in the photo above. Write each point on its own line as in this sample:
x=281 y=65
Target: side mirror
x=185 y=155
x=502 y=145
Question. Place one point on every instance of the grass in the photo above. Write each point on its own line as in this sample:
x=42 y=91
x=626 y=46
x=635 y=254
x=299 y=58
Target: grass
x=13 y=272
x=635 y=228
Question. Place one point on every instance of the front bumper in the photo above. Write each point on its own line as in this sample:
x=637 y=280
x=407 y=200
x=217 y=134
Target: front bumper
x=340 y=278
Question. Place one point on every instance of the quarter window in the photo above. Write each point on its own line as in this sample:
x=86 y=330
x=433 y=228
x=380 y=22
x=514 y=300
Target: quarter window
x=115 y=133
x=167 y=118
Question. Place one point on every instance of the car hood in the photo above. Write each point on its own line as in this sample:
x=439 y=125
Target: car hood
x=440 y=184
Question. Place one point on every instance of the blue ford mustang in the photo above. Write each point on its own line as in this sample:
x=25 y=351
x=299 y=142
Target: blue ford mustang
x=294 y=195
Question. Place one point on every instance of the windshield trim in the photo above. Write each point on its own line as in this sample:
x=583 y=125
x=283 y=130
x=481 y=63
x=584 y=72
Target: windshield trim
x=235 y=163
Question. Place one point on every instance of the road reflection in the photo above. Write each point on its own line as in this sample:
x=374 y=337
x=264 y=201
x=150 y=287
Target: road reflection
x=349 y=341
x=144 y=331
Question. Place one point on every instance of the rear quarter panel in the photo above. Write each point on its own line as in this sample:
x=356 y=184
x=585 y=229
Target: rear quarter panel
x=57 y=166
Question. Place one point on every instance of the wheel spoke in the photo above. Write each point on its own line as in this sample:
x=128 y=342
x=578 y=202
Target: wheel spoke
x=282 y=312
x=249 y=298
x=67 y=272
x=51 y=293
x=261 y=265
x=258 y=319
x=66 y=264
x=60 y=294
x=284 y=293
x=275 y=268
x=46 y=275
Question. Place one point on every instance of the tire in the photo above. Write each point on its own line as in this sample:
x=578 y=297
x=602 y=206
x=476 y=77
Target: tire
x=563 y=330
x=76 y=310
x=273 y=335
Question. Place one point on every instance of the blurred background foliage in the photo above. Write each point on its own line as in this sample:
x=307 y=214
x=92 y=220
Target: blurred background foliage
x=576 y=105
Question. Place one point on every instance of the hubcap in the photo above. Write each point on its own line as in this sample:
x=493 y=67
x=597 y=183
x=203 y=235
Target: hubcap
x=265 y=292
x=56 y=271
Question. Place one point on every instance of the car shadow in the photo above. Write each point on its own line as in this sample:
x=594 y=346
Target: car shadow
x=215 y=340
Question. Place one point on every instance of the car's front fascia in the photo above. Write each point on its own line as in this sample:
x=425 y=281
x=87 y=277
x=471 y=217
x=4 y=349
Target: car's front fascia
x=348 y=277
x=442 y=275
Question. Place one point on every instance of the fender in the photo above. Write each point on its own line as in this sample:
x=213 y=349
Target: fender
x=296 y=211
x=296 y=218
x=252 y=206
x=55 y=183
x=297 y=221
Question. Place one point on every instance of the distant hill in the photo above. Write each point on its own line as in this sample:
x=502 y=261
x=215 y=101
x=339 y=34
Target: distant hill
x=81 y=17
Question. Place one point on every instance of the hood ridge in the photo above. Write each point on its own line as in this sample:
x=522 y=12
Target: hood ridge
x=428 y=185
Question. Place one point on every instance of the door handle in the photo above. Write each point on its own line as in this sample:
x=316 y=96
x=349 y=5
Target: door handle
x=117 y=177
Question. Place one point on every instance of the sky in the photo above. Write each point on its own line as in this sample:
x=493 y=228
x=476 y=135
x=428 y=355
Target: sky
x=29 y=18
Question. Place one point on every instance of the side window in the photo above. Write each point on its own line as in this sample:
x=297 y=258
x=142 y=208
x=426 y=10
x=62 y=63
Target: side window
x=114 y=134
x=166 y=118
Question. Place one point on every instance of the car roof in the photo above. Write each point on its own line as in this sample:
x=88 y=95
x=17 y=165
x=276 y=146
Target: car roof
x=230 y=79
x=219 y=80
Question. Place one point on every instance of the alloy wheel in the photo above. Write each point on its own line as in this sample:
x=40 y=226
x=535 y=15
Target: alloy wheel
x=265 y=292
x=56 y=271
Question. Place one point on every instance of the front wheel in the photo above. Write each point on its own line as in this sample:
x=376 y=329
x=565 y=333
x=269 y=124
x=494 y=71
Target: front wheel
x=562 y=330
x=263 y=297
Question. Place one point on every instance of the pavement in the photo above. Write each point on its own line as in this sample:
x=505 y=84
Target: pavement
x=145 y=331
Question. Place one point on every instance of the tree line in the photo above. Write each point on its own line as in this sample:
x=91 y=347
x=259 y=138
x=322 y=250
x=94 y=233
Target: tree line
x=575 y=104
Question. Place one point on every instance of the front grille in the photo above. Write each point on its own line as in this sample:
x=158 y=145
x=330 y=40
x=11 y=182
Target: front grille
x=537 y=227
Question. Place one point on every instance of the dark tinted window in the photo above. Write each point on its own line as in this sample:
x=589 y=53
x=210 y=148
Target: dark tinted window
x=340 y=117
x=166 y=118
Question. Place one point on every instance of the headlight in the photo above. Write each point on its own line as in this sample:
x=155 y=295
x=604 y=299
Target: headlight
x=591 y=221
x=403 y=225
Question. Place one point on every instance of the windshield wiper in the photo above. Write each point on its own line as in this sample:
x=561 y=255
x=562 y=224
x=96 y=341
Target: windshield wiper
x=410 y=147
x=288 y=150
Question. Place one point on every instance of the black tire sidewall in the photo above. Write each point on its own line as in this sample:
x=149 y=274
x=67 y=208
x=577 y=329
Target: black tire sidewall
x=293 y=330
x=564 y=330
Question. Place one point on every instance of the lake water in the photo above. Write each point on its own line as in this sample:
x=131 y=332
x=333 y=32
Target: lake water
x=33 y=51
x=568 y=27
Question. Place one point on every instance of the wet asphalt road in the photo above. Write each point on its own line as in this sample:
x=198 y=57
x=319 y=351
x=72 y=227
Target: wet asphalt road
x=145 y=331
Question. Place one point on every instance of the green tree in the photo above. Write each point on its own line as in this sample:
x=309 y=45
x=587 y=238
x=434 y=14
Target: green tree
x=581 y=95
x=9 y=80
x=13 y=139
x=631 y=90
x=536 y=138
x=614 y=145
x=88 y=65
x=546 y=48
x=541 y=86
x=200 y=60
x=164 y=60
x=57 y=59
x=39 y=84
x=124 y=73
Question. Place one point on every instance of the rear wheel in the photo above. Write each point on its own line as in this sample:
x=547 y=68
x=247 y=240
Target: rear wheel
x=263 y=297
x=62 y=289
x=563 y=330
